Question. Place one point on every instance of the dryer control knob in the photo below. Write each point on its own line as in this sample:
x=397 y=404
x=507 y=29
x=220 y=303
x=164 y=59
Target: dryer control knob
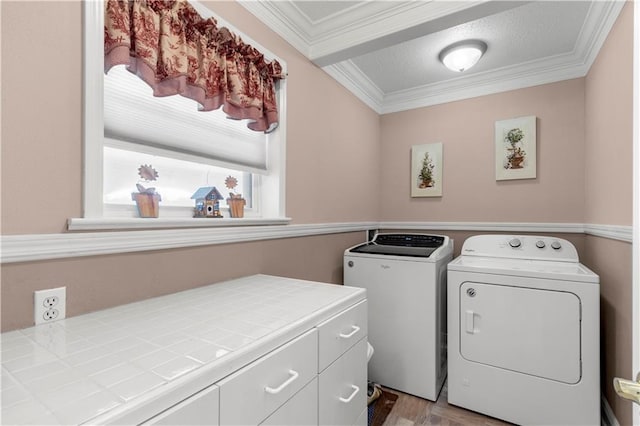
x=556 y=245
x=540 y=244
x=515 y=243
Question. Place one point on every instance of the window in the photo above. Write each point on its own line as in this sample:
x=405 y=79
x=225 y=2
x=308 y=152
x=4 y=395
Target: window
x=125 y=127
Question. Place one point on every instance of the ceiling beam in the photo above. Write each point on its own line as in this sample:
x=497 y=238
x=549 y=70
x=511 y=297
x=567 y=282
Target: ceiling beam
x=383 y=24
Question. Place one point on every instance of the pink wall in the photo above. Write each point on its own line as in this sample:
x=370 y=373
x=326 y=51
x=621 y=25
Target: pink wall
x=466 y=131
x=41 y=115
x=100 y=282
x=608 y=128
x=332 y=157
x=609 y=199
x=332 y=137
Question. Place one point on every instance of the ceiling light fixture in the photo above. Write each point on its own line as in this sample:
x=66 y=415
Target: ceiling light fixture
x=463 y=55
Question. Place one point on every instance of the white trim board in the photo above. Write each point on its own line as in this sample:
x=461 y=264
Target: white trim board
x=608 y=418
x=34 y=247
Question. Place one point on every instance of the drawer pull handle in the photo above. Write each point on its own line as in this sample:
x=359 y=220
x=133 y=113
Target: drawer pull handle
x=353 y=394
x=294 y=375
x=355 y=329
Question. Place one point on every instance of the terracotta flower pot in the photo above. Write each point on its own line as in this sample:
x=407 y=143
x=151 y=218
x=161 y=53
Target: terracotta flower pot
x=148 y=204
x=516 y=162
x=426 y=183
x=236 y=206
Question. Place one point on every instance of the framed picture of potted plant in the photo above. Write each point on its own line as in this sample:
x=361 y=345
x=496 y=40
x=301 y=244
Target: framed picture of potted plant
x=426 y=170
x=515 y=144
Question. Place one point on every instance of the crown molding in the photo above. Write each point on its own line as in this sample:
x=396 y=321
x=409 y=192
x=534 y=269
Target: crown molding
x=529 y=74
x=36 y=247
x=600 y=19
x=353 y=79
x=284 y=19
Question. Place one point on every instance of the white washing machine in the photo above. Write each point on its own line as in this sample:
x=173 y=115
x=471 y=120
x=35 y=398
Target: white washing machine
x=524 y=331
x=405 y=277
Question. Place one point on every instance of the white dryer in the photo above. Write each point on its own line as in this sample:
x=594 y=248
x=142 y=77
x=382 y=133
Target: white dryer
x=524 y=331
x=405 y=277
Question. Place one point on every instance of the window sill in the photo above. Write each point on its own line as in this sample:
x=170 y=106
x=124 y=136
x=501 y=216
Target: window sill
x=114 y=224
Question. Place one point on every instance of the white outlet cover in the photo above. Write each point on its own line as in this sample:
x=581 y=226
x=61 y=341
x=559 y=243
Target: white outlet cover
x=40 y=314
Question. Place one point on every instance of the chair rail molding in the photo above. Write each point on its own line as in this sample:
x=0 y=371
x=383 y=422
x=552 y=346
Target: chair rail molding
x=34 y=247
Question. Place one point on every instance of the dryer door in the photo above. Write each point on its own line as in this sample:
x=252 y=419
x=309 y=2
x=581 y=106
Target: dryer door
x=526 y=330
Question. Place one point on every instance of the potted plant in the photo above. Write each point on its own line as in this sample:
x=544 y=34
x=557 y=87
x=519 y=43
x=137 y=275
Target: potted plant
x=516 y=155
x=147 y=199
x=235 y=201
x=426 y=173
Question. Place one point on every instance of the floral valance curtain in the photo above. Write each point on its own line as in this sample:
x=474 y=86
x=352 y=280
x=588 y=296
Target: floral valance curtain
x=174 y=50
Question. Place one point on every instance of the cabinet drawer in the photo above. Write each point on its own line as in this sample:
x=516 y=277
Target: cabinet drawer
x=338 y=334
x=300 y=410
x=342 y=388
x=199 y=409
x=251 y=394
x=363 y=418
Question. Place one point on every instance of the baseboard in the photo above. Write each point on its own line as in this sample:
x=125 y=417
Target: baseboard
x=607 y=416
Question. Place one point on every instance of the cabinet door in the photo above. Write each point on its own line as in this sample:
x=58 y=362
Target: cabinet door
x=200 y=409
x=300 y=410
x=251 y=394
x=343 y=388
x=338 y=334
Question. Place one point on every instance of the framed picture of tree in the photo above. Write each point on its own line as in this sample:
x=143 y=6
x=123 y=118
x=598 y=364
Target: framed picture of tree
x=426 y=170
x=515 y=142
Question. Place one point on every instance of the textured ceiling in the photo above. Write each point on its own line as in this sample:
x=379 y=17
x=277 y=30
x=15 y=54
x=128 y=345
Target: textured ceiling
x=386 y=52
x=516 y=36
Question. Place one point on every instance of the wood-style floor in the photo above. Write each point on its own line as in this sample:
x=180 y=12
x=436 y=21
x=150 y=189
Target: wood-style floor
x=410 y=410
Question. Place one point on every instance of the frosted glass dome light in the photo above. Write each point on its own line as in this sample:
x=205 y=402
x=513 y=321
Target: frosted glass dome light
x=463 y=55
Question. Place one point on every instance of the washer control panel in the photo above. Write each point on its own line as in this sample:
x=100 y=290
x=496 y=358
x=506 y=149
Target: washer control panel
x=521 y=247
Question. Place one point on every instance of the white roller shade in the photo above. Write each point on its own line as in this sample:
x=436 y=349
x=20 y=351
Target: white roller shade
x=133 y=114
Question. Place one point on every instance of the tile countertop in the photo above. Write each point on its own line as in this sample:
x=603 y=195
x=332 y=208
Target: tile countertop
x=120 y=365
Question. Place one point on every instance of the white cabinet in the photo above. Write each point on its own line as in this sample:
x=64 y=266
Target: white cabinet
x=343 y=388
x=300 y=410
x=247 y=351
x=340 y=333
x=200 y=409
x=251 y=394
x=342 y=367
x=318 y=378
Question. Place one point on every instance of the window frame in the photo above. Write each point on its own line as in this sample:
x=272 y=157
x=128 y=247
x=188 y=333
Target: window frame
x=269 y=187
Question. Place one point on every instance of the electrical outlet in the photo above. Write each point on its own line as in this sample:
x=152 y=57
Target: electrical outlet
x=49 y=305
x=51 y=301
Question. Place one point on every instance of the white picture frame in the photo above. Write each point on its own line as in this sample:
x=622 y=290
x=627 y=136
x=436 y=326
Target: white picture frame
x=426 y=170
x=515 y=148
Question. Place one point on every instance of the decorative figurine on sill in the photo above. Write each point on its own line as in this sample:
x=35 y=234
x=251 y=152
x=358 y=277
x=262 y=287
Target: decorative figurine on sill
x=147 y=200
x=207 y=202
x=235 y=201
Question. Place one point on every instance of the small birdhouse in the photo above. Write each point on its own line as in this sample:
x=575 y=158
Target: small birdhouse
x=207 y=202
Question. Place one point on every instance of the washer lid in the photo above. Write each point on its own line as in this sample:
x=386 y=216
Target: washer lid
x=415 y=245
x=566 y=271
